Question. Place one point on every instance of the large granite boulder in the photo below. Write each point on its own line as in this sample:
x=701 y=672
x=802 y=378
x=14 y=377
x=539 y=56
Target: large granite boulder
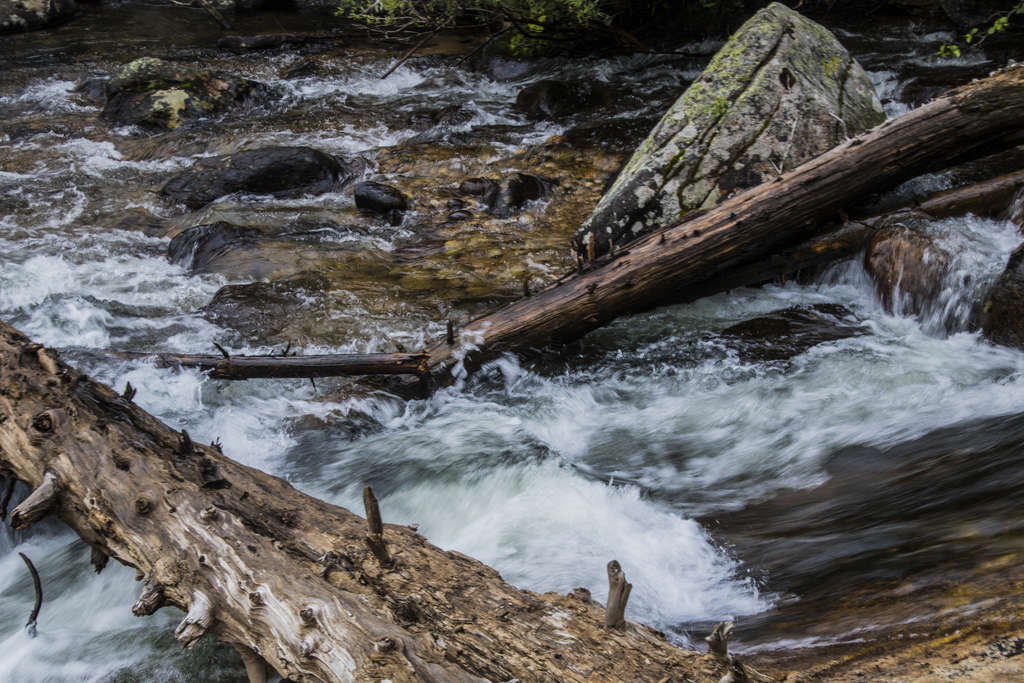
x=160 y=95
x=17 y=16
x=781 y=91
x=1002 y=318
x=279 y=171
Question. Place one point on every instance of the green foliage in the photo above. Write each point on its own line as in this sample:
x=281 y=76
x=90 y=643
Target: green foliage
x=977 y=35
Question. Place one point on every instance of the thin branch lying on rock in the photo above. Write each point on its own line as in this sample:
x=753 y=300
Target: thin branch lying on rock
x=225 y=366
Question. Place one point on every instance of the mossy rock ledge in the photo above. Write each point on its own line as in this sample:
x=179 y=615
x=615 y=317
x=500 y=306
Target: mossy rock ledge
x=781 y=91
x=159 y=95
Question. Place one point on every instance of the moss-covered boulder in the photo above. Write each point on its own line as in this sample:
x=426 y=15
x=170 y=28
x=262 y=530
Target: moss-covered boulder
x=1002 y=318
x=781 y=91
x=160 y=95
x=17 y=16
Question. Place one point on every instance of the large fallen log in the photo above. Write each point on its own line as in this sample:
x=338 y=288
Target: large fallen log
x=672 y=265
x=304 y=586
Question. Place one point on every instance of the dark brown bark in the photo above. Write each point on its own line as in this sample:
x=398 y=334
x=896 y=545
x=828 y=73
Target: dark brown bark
x=331 y=365
x=280 y=575
x=673 y=264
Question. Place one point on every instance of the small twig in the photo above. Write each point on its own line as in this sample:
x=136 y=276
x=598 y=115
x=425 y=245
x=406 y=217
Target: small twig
x=30 y=626
x=222 y=350
x=409 y=53
x=215 y=13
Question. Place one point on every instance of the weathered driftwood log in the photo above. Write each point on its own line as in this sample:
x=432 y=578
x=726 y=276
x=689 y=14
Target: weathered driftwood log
x=262 y=566
x=671 y=265
x=330 y=365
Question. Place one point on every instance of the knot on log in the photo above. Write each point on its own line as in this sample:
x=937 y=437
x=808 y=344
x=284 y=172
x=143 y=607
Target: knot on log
x=197 y=621
x=208 y=514
x=385 y=644
x=46 y=361
x=308 y=615
x=618 y=596
x=256 y=599
x=38 y=504
x=185 y=446
x=43 y=422
x=143 y=506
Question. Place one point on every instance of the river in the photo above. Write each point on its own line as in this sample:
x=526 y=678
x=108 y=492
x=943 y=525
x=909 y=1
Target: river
x=664 y=440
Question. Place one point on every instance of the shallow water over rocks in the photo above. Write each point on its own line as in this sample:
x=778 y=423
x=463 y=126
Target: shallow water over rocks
x=735 y=470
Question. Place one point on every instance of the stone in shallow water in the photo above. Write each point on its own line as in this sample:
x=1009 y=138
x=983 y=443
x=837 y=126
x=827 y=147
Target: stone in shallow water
x=906 y=264
x=551 y=99
x=279 y=171
x=788 y=332
x=1002 y=319
x=382 y=199
x=262 y=310
x=781 y=91
x=160 y=95
x=199 y=246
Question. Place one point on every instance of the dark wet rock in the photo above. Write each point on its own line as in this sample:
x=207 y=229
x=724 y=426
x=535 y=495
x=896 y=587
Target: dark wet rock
x=17 y=16
x=906 y=264
x=261 y=310
x=1015 y=211
x=266 y=41
x=382 y=199
x=306 y=68
x=162 y=95
x=615 y=134
x=932 y=83
x=198 y=247
x=552 y=99
x=425 y=119
x=1002 y=318
x=507 y=197
x=139 y=219
x=93 y=89
x=768 y=100
x=476 y=187
x=788 y=332
x=279 y=171
x=458 y=216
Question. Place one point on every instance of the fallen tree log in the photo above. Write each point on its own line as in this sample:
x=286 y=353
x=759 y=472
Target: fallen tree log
x=281 y=366
x=671 y=265
x=287 y=579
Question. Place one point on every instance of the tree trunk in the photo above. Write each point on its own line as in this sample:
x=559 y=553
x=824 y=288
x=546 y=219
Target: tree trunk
x=280 y=575
x=330 y=365
x=673 y=264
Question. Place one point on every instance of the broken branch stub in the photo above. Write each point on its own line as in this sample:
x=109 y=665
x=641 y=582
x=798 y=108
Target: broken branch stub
x=197 y=621
x=38 y=504
x=618 y=596
x=718 y=640
x=375 y=529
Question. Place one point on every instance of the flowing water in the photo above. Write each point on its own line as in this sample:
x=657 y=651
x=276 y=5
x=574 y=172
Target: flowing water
x=645 y=442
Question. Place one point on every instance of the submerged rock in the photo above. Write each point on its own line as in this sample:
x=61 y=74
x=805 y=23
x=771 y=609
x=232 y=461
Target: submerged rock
x=156 y=94
x=788 y=332
x=906 y=264
x=17 y=16
x=447 y=117
x=199 y=246
x=382 y=199
x=506 y=196
x=279 y=171
x=551 y=99
x=261 y=310
x=1002 y=318
x=781 y=91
